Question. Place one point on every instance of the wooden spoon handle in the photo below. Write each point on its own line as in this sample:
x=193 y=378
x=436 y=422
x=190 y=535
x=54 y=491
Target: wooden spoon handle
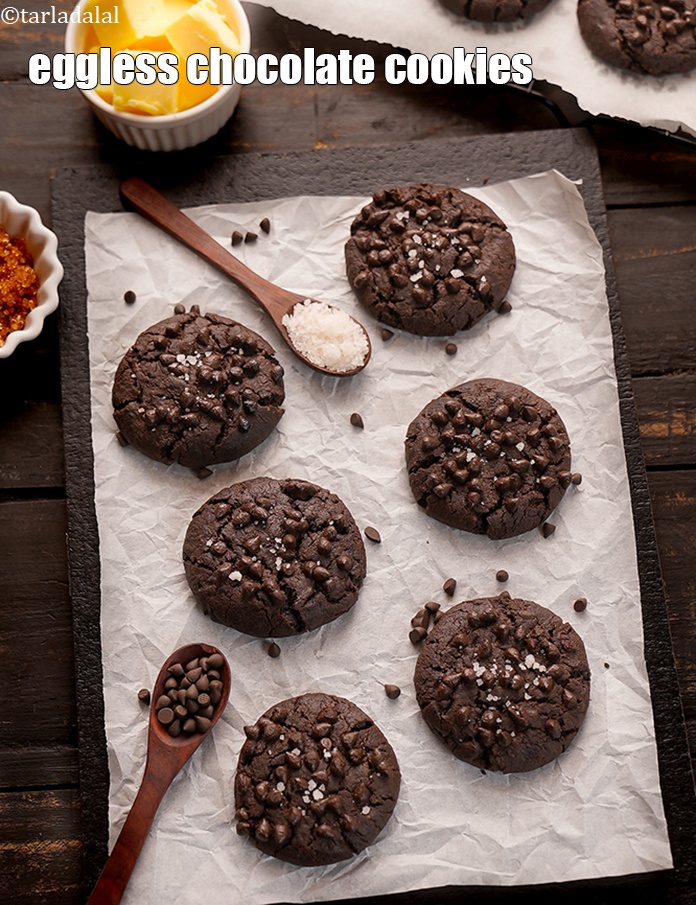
x=148 y=202
x=120 y=863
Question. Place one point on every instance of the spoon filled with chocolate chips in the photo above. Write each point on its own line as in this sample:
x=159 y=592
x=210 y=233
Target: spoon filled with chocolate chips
x=321 y=335
x=189 y=696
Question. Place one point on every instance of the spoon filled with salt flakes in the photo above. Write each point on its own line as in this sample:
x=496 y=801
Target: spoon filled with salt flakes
x=321 y=335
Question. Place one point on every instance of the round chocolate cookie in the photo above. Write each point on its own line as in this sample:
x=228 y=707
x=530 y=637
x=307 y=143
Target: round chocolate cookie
x=641 y=35
x=198 y=389
x=316 y=781
x=496 y=10
x=489 y=457
x=505 y=683
x=274 y=558
x=429 y=259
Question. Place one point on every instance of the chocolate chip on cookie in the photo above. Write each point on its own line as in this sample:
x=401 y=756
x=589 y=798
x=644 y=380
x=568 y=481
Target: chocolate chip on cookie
x=489 y=457
x=316 y=781
x=496 y=10
x=646 y=36
x=504 y=683
x=274 y=558
x=198 y=390
x=429 y=259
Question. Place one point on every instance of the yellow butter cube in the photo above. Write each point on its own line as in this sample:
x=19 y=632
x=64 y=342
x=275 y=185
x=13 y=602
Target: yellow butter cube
x=152 y=100
x=200 y=28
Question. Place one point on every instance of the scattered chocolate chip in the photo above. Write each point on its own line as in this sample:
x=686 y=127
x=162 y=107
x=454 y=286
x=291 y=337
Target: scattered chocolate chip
x=250 y=237
x=356 y=420
x=195 y=309
x=386 y=334
x=501 y=575
x=576 y=479
x=450 y=586
x=451 y=348
x=121 y=439
x=265 y=225
x=273 y=650
x=437 y=616
x=392 y=691
x=203 y=473
x=432 y=607
x=144 y=695
x=179 y=309
x=129 y=297
x=606 y=666
x=417 y=634
x=505 y=307
x=547 y=529
x=237 y=237
x=580 y=604
x=373 y=535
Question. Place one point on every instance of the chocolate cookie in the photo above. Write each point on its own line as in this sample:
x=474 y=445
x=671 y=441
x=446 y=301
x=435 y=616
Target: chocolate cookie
x=505 y=683
x=197 y=390
x=641 y=35
x=429 y=259
x=489 y=457
x=316 y=780
x=496 y=10
x=274 y=558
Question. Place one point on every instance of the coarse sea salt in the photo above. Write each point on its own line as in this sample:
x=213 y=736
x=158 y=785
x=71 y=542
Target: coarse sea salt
x=326 y=336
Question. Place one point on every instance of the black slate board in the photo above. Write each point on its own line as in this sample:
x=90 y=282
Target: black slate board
x=251 y=177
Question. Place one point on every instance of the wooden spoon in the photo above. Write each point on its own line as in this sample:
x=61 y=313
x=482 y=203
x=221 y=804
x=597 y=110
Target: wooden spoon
x=276 y=302
x=165 y=757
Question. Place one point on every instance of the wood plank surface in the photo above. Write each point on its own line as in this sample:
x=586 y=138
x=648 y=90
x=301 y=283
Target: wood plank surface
x=666 y=409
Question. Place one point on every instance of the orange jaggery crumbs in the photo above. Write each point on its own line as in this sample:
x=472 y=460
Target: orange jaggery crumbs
x=19 y=284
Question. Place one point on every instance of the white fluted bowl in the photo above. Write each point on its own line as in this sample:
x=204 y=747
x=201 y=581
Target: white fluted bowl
x=171 y=131
x=24 y=222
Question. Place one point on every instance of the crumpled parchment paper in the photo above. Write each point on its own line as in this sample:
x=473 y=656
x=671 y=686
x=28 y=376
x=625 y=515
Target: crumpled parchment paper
x=552 y=38
x=596 y=811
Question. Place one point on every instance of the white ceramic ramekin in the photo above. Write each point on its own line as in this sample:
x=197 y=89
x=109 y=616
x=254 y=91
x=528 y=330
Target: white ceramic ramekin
x=24 y=222
x=173 y=131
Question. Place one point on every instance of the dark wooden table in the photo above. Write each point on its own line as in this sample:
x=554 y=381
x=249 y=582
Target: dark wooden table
x=650 y=189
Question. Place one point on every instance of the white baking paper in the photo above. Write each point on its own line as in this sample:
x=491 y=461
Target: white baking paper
x=552 y=38
x=596 y=811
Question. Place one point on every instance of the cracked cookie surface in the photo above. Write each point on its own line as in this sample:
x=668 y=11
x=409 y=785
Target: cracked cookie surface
x=504 y=683
x=429 y=259
x=274 y=558
x=496 y=10
x=316 y=780
x=489 y=457
x=654 y=38
x=198 y=390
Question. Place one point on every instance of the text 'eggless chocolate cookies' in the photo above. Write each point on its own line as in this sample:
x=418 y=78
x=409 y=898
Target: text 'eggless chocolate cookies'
x=198 y=390
x=504 y=683
x=496 y=10
x=273 y=558
x=429 y=259
x=316 y=781
x=489 y=457
x=646 y=36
